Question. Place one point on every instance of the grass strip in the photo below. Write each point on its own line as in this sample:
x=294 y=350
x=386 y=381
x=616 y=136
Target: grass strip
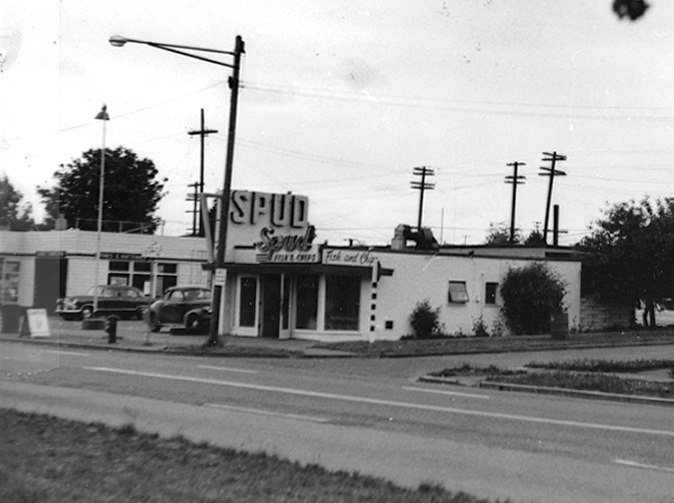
x=50 y=460
x=598 y=365
x=467 y=345
x=590 y=381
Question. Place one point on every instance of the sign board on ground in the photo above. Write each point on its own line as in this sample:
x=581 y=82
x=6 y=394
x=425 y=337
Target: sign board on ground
x=35 y=323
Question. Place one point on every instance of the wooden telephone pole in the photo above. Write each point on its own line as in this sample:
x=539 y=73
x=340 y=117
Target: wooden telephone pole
x=202 y=132
x=552 y=173
x=422 y=186
x=515 y=180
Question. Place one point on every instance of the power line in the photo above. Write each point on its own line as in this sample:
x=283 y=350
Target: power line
x=474 y=106
x=381 y=98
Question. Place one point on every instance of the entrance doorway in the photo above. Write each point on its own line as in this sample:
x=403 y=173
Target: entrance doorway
x=51 y=274
x=271 y=306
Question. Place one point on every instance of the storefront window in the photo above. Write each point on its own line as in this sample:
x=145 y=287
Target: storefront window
x=342 y=302
x=139 y=274
x=248 y=298
x=307 y=302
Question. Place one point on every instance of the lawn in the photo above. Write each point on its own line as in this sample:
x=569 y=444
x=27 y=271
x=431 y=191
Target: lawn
x=48 y=460
x=467 y=345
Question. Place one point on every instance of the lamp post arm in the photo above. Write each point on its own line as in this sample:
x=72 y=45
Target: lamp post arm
x=190 y=55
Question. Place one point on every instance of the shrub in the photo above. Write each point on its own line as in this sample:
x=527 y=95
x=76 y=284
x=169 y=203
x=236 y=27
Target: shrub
x=531 y=294
x=480 y=328
x=425 y=321
x=497 y=328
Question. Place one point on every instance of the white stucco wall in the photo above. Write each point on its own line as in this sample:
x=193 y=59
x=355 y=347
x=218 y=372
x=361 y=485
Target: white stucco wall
x=419 y=277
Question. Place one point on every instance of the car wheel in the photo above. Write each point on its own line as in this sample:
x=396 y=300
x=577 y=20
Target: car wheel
x=155 y=326
x=87 y=312
x=193 y=322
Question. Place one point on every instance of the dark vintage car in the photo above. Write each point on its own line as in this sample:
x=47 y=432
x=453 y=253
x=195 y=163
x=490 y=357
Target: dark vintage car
x=120 y=300
x=187 y=307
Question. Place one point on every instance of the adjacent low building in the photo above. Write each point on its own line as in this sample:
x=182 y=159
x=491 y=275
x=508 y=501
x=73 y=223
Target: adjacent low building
x=38 y=267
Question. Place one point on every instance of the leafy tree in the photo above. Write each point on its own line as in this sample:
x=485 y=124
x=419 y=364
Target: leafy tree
x=499 y=235
x=12 y=215
x=628 y=254
x=535 y=239
x=531 y=294
x=130 y=196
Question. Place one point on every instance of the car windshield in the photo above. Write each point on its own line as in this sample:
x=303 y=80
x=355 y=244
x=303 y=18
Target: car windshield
x=186 y=294
x=96 y=290
x=196 y=293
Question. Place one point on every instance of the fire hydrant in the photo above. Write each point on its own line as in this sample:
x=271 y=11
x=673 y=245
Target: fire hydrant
x=111 y=328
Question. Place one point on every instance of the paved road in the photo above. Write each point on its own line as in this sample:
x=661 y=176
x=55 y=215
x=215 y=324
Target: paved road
x=370 y=416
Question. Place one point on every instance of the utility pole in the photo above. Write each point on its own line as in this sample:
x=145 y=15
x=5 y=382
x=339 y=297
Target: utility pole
x=515 y=180
x=552 y=173
x=422 y=186
x=202 y=132
x=194 y=198
x=218 y=290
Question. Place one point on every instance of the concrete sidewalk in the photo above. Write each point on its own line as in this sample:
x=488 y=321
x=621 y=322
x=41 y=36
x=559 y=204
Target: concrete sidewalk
x=135 y=336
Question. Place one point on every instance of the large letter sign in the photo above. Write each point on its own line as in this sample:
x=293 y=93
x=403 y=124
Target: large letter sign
x=276 y=224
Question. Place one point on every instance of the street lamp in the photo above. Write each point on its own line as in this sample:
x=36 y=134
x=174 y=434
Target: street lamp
x=119 y=41
x=102 y=116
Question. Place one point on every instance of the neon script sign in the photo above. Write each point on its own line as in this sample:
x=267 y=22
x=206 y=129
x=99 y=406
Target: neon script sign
x=287 y=248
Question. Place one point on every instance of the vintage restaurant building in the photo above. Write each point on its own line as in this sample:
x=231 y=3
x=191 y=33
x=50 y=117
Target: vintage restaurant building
x=279 y=281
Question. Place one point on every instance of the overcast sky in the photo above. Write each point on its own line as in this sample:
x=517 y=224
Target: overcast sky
x=342 y=99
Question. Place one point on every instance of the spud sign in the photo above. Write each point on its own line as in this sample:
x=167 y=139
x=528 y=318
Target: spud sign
x=276 y=224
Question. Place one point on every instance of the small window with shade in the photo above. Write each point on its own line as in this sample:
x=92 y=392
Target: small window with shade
x=457 y=292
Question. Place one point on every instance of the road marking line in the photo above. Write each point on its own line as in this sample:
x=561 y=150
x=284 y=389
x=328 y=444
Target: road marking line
x=227 y=369
x=445 y=392
x=267 y=412
x=636 y=464
x=390 y=403
x=70 y=353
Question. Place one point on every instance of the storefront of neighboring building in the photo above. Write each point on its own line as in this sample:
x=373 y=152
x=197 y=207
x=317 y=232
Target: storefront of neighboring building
x=38 y=267
x=281 y=284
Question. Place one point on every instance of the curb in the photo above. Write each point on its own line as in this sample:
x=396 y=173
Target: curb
x=597 y=395
x=249 y=352
x=470 y=351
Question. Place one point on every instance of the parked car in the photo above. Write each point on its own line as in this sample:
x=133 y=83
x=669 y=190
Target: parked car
x=187 y=307
x=123 y=301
